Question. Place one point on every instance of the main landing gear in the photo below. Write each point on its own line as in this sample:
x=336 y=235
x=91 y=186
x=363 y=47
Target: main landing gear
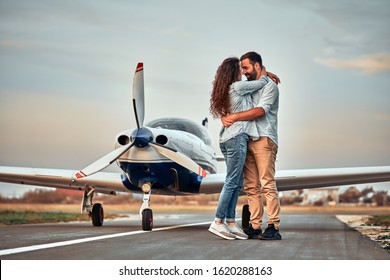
x=245 y=216
x=95 y=211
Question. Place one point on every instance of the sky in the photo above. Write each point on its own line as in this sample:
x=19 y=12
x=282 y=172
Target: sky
x=67 y=68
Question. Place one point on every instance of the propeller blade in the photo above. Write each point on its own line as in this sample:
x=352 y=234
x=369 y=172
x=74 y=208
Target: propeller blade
x=102 y=162
x=180 y=158
x=138 y=95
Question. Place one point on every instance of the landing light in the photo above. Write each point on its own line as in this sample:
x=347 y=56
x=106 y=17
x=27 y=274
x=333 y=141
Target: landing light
x=146 y=187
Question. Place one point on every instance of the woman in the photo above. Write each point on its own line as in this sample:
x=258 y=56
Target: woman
x=229 y=95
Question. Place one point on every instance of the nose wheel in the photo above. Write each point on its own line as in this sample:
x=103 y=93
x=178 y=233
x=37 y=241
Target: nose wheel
x=147 y=219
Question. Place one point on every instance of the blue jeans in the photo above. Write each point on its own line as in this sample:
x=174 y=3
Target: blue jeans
x=234 y=151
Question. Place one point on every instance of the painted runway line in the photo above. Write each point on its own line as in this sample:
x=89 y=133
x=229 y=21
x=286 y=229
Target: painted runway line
x=88 y=239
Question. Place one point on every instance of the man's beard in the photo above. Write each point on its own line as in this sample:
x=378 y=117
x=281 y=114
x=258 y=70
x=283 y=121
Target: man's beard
x=252 y=75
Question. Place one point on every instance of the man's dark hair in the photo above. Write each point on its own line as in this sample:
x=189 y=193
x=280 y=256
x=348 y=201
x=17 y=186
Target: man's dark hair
x=253 y=58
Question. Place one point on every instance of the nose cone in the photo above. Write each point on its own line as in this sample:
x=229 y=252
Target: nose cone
x=142 y=137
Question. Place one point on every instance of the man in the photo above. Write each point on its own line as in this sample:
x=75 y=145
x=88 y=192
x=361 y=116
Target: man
x=261 y=155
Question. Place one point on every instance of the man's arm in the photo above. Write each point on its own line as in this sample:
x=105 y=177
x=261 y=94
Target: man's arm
x=248 y=115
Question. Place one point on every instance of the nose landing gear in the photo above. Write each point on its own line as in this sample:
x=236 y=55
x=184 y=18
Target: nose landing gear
x=145 y=212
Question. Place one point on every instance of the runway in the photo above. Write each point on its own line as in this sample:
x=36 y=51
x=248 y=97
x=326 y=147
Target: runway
x=185 y=237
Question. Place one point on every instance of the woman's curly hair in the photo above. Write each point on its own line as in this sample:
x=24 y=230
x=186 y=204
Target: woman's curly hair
x=227 y=73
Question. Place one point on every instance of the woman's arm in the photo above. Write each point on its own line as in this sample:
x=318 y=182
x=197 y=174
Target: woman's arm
x=247 y=87
x=273 y=77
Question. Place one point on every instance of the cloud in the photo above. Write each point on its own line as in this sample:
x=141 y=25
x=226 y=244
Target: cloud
x=367 y=64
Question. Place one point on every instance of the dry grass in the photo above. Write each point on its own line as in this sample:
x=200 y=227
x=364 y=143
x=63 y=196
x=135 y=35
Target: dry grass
x=75 y=208
x=374 y=227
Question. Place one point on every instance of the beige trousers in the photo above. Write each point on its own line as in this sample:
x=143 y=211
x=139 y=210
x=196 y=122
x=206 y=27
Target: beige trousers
x=259 y=182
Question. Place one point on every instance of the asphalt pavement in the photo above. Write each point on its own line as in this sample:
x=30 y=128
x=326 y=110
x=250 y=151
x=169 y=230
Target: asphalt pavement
x=185 y=237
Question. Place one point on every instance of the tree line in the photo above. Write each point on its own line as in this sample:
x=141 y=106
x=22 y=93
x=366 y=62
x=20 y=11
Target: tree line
x=58 y=196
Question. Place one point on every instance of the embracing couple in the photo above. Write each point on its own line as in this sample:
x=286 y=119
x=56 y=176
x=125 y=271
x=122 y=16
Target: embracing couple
x=249 y=143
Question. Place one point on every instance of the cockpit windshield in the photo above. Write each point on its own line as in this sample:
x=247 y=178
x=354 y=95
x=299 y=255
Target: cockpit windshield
x=183 y=125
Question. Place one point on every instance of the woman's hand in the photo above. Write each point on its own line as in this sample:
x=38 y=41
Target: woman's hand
x=273 y=77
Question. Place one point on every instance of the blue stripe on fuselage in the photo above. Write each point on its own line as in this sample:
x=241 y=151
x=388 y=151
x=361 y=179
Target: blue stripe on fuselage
x=161 y=175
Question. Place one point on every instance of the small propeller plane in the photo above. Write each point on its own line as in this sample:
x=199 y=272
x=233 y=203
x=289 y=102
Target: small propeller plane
x=169 y=156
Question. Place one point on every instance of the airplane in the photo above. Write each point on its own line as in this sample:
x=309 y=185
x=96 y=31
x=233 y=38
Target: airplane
x=169 y=156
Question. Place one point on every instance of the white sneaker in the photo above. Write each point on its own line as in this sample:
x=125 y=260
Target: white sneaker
x=237 y=231
x=222 y=231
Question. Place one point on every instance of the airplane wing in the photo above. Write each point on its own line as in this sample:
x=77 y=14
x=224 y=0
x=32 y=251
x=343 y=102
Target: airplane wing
x=318 y=178
x=312 y=178
x=110 y=183
x=102 y=182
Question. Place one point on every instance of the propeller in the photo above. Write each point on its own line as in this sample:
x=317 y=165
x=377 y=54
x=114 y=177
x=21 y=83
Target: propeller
x=138 y=95
x=103 y=162
x=141 y=138
x=180 y=158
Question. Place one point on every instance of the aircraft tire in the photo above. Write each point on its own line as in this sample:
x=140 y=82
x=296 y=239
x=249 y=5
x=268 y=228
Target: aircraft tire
x=245 y=216
x=147 y=219
x=97 y=215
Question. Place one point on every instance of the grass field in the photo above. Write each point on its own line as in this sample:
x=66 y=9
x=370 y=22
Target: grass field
x=29 y=217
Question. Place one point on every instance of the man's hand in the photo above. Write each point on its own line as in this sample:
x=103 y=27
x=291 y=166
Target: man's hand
x=228 y=120
x=273 y=77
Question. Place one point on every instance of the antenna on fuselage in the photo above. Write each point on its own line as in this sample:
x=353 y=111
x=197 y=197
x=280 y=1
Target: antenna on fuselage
x=205 y=122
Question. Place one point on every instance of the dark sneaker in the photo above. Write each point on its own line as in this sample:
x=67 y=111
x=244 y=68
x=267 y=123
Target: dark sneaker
x=252 y=233
x=270 y=233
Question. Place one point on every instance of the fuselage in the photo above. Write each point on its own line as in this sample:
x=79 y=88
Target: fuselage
x=143 y=164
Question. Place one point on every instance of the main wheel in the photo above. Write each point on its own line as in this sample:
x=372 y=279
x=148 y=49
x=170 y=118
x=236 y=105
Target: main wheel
x=245 y=216
x=147 y=219
x=97 y=215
